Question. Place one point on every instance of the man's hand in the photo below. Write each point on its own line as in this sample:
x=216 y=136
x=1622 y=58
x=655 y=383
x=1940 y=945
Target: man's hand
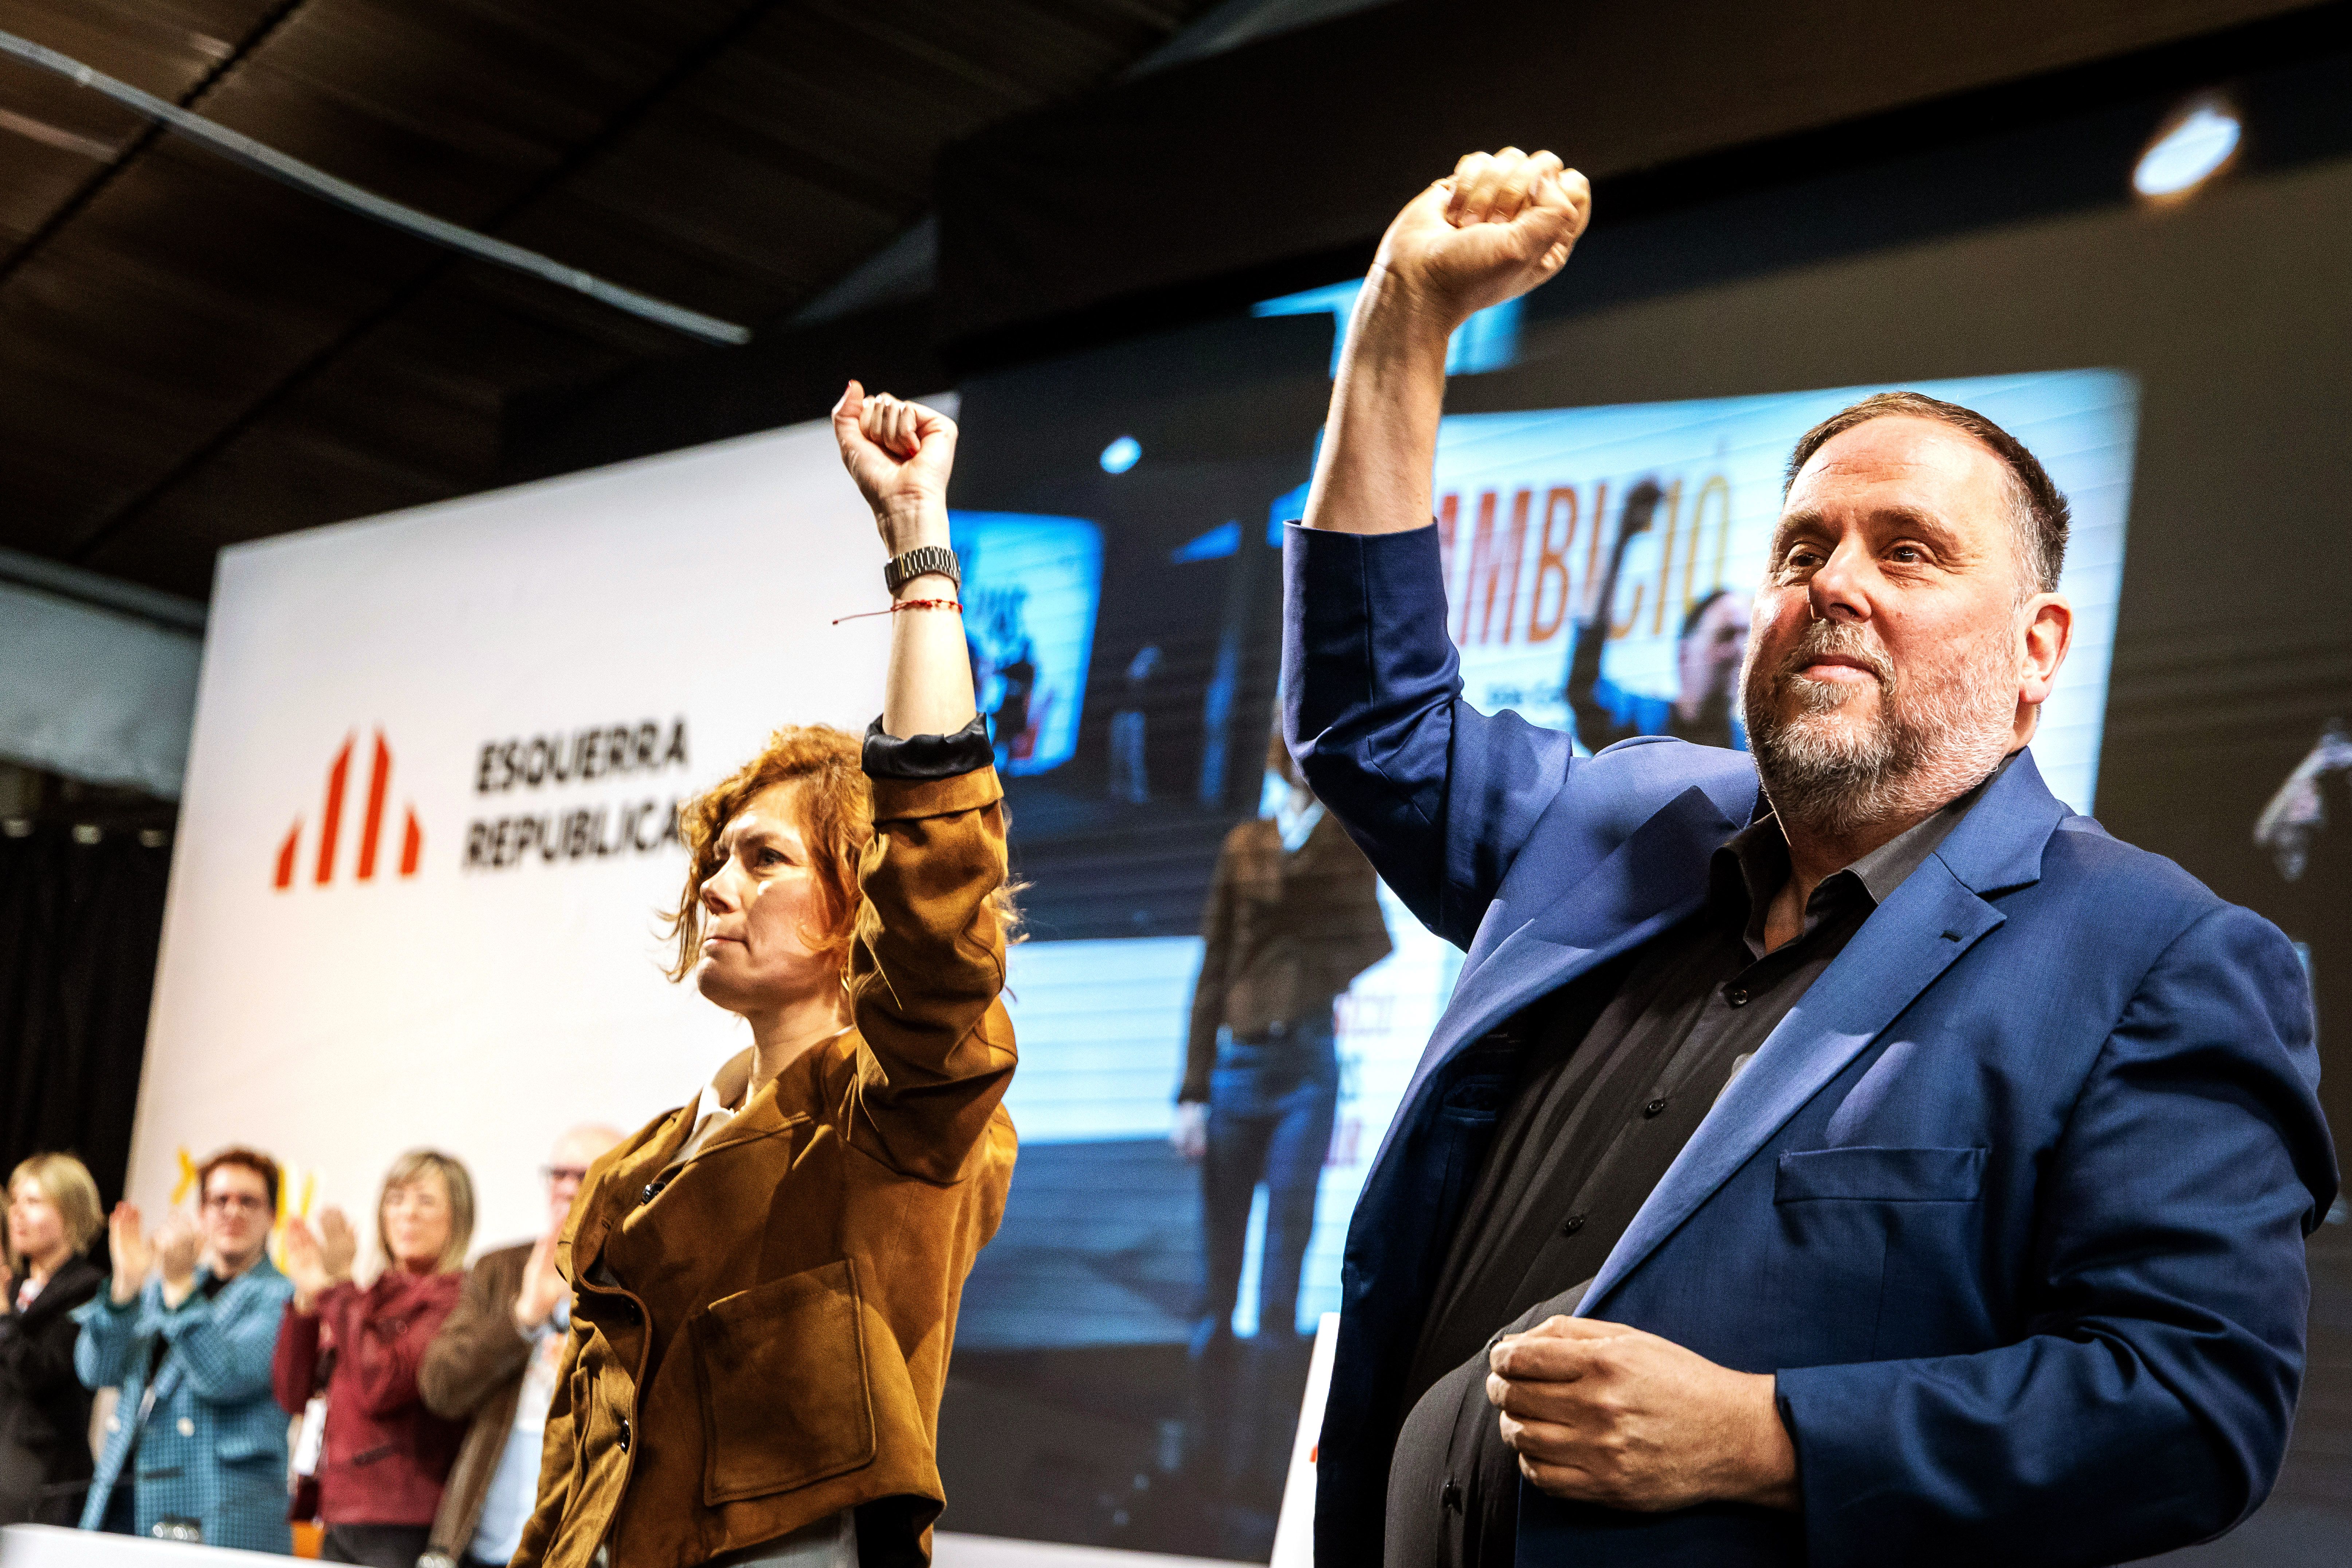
x=1604 y=1414
x=1499 y=227
x=1502 y=224
x=178 y=1244
x=542 y=1287
x=132 y=1256
x=900 y=454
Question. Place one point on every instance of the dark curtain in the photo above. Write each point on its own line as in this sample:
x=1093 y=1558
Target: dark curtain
x=79 y=926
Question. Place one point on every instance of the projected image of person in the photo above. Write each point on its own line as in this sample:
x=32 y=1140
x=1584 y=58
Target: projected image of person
x=1293 y=917
x=2304 y=830
x=1705 y=707
x=766 y=1280
x=386 y=1456
x=1130 y=769
x=1004 y=670
x=2296 y=819
x=53 y=1215
x=196 y=1449
x=1843 y=1153
x=1015 y=726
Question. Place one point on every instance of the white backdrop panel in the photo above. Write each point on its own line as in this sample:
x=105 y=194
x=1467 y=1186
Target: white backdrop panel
x=482 y=1008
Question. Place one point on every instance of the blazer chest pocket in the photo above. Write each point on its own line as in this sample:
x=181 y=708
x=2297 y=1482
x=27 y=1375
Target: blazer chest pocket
x=1880 y=1245
x=786 y=1400
x=1879 y=1175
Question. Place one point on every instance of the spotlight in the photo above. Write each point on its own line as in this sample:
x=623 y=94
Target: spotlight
x=2195 y=142
x=1121 y=455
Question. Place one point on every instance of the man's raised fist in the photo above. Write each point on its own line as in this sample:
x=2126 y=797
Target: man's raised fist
x=1501 y=224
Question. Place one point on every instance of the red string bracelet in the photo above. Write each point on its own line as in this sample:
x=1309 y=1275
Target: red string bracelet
x=902 y=605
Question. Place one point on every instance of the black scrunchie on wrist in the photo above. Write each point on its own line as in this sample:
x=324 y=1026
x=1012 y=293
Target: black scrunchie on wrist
x=920 y=757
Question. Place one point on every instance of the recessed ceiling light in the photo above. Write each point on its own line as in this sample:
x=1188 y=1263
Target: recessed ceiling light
x=2195 y=142
x=1121 y=455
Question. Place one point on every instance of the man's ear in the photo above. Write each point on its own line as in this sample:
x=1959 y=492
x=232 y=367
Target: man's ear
x=2047 y=631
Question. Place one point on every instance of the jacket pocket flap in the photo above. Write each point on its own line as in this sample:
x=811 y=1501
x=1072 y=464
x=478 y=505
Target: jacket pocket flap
x=785 y=1395
x=236 y=1447
x=1881 y=1175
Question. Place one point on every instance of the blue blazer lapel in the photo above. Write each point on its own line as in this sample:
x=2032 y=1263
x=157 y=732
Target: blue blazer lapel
x=1655 y=878
x=1934 y=917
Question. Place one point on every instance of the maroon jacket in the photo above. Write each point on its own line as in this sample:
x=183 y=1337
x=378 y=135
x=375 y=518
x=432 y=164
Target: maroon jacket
x=387 y=1455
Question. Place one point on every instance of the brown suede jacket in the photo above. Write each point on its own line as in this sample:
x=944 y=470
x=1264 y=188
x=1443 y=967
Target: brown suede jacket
x=473 y=1372
x=777 y=1340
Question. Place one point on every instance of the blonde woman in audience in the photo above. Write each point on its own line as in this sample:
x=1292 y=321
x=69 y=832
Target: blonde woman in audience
x=53 y=1216
x=386 y=1456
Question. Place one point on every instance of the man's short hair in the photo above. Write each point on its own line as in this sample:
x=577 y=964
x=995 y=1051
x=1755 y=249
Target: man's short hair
x=2041 y=510
x=237 y=1155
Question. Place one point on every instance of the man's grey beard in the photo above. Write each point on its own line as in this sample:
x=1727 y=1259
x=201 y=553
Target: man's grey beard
x=1933 y=740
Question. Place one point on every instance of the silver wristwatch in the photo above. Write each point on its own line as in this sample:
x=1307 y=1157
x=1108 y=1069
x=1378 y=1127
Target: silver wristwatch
x=937 y=558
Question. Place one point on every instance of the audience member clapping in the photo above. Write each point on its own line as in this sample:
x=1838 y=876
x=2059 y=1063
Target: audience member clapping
x=494 y=1365
x=386 y=1456
x=196 y=1449
x=45 y=1461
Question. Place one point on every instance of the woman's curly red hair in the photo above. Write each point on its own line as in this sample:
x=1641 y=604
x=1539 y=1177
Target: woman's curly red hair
x=835 y=809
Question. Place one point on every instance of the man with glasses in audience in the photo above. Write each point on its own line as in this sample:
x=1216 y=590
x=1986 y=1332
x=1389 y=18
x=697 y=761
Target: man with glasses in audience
x=494 y=1364
x=196 y=1449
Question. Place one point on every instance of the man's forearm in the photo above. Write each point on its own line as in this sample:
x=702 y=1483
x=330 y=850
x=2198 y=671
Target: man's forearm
x=1381 y=440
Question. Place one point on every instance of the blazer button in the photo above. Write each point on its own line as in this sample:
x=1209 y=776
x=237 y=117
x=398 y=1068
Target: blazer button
x=1654 y=1108
x=187 y=1427
x=1736 y=996
x=1571 y=1225
x=624 y=1435
x=1449 y=1496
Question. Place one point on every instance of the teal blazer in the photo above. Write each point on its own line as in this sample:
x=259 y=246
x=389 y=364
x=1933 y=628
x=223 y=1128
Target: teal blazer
x=211 y=1443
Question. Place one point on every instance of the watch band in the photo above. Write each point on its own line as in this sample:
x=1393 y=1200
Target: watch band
x=904 y=569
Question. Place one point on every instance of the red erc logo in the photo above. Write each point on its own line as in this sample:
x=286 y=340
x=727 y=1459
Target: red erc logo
x=331 y=823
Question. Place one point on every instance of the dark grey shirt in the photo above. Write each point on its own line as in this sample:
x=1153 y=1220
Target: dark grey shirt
x=1620 y=1068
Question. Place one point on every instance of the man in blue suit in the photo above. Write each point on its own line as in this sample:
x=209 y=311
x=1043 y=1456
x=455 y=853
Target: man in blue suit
x=1843 y=1155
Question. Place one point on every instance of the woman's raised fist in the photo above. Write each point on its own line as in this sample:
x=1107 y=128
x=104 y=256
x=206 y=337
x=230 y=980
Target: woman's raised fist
x=900 y=454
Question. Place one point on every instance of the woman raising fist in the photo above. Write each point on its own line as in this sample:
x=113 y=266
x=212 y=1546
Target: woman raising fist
x=766 y=1280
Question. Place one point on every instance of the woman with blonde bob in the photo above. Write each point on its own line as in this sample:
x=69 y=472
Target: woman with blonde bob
x=766 y=1280
x=386 y=1456
x=45 y=1460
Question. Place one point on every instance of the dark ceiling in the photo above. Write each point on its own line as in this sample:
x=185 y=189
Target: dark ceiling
x=192 y=355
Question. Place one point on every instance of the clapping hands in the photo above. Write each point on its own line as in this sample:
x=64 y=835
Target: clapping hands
x=542 y=1286
x=178 y=1245
x=319 y=1260
x=133 y=1254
